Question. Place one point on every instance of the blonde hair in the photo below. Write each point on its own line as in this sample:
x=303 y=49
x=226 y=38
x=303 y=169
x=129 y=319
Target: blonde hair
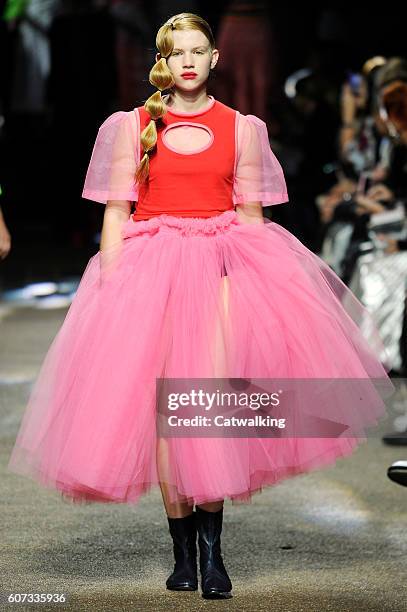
x=161 y=77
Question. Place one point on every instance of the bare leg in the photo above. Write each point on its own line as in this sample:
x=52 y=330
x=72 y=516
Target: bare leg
x=211 y=506
x=180 y=509
x=220 y=365
x=176 y=509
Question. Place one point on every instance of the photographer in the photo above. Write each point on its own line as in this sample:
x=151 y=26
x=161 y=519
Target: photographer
x=394 y=111
x=361 y=133
x=363 y=160
x=379 y=188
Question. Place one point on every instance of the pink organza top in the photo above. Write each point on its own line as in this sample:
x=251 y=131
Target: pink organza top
x=204 y=163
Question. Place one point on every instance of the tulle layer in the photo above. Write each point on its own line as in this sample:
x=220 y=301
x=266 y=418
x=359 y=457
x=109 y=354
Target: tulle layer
x=159 y=305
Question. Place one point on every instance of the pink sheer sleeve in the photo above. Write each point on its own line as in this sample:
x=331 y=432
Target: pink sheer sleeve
x=258 y=173
x=112 y=167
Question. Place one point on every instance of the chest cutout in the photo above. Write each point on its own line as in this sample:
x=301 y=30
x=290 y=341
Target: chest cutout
x=187 y=138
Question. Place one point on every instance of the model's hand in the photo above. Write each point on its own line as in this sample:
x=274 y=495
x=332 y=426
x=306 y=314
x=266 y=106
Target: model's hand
x=250 y=213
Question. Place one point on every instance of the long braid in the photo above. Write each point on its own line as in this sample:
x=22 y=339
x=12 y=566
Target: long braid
x=161 y=77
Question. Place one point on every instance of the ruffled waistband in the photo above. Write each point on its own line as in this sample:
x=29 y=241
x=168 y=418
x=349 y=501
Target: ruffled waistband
x=185 y=226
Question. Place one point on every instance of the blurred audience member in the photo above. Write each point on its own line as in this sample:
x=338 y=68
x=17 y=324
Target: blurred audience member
x=5 y=237
x=246 y=71
x=310 y=125
x=365 y=212
x=361 y=134
x=134 y=58
x=32 y=54
x=372 y=171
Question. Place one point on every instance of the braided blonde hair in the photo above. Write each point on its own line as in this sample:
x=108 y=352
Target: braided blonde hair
x=161 y=77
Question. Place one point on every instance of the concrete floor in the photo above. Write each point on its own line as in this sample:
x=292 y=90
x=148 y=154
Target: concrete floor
x=333 y=540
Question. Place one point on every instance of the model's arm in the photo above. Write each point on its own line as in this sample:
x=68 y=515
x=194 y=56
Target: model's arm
x=259 y=179
x=116 y=213
x=110 y=178
x=250 y=212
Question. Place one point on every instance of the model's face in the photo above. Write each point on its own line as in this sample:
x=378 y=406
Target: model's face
x=191 y=53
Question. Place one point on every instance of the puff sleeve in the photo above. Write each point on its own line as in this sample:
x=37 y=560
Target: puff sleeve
x=258 y=173
x=112 y=167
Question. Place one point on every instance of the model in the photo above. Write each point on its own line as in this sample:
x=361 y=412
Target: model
x=193 y=284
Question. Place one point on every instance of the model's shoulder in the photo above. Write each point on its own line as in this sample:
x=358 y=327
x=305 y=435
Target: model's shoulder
x=243 y=120
x=225 y=109
x=141 y=111
x=117 y=117
x=250 y=119
x=251 y=124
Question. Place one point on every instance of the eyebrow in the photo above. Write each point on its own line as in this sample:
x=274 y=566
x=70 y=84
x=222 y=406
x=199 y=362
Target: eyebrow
x=199 y=47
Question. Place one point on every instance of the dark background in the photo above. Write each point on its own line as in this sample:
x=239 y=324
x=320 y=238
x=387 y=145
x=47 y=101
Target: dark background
x=44 y=153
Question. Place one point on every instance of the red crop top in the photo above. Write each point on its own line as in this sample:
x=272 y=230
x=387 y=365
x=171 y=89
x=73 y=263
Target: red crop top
x=196 y=184
x=229 y=162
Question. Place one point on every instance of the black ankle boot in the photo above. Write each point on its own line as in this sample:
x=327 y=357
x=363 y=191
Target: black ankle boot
x=215 y=581
x=183 y=532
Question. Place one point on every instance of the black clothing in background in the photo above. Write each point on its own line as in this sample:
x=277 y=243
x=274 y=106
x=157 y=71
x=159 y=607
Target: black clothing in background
x=82 y=91
x=397 y=178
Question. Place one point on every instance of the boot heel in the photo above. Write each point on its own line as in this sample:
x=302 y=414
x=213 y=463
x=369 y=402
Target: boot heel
x=215 y=581
x=183 y=533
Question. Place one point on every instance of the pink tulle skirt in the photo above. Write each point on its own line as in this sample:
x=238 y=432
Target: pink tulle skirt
x=195 y=298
